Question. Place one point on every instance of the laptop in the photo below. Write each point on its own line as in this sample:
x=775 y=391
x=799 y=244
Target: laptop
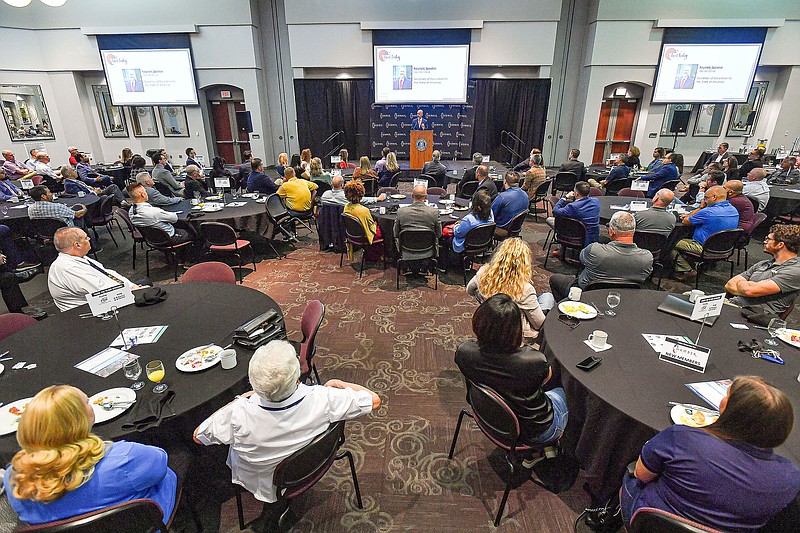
x=682 y=307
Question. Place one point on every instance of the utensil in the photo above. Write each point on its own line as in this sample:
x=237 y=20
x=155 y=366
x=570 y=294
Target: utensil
x=598 y=310
x=108 y=406
x=696 y=407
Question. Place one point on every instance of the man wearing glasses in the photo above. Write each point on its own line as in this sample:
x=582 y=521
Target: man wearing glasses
x=773 y=283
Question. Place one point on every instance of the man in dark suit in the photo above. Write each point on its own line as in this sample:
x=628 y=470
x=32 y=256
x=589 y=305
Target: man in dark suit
x=401 y=82
x=469 y=174
x=260 y=182
x=419 y=123
x=244 y=169
x=573 y=165
x=133 y=85
x=435 y=169
x=685 y=80
x=525 y=165
x=754 y=160
x=485 y=182
x=417 y=216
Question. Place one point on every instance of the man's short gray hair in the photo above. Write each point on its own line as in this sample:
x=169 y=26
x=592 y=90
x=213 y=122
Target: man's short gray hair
x=274 y=371
x=436 y=155
x=67 y=171
x=142 y=178
x=337 y=182
x=64 y=238
x=191 y=170
x=622 y=222
x=477 y=158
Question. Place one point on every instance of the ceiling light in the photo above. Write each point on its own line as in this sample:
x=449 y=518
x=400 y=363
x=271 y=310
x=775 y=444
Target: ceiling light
x=17 y=3
x=54 y=3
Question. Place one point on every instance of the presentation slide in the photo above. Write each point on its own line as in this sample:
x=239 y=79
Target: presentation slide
x=421 y=74
x=705 y=73
x=150 y=77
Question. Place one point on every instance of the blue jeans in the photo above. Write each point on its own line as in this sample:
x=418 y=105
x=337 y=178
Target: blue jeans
x=560 y=417
x=628 y=497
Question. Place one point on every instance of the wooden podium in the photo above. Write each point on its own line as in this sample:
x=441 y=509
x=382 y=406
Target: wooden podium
x=421 y=148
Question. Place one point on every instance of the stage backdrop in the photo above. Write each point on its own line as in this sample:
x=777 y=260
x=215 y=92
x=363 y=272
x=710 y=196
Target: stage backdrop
x=493 y=105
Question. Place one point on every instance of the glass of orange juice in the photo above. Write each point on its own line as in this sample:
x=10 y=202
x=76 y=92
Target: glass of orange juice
x=155 y=373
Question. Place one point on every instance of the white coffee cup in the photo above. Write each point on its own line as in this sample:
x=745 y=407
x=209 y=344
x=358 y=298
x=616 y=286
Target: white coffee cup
x=695 y=294
x=195 y=201
x=81 y=194
x=228 y=359
x=598 y=338
x=575 y=293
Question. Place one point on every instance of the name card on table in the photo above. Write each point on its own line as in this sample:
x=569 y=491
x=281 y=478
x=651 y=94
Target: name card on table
x=26 y=184
x=103 y=301
x=639 y=185
x=335 y=159
x=708 y=306
x=418 y=181
x=222 y=183
x=685 y=354
x=638 y=205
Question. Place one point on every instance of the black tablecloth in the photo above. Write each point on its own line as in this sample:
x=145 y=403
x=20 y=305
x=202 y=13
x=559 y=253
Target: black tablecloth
x=197 y=314
x=618 y=406
x=251 y=217
x=606 y=212
x=782 y=200
x=16 y=213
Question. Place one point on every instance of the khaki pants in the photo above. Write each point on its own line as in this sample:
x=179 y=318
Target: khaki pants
x=685 y=245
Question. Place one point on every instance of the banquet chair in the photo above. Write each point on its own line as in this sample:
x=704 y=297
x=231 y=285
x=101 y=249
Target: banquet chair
x=11 y=323
x=651 y=520
x=370 y=186
x=614 y=188
x=37 y=180
x=655 y=243
x=388 y=190
x=719 y=247
x=158 y=240
x=568 y=232
x=741 y=244
x=135 y=516
x=313 y=315
x=500 y=424
x=514 y=227
x=135 y=234
x=468 y=190
x=322 y=186
x=104 y=216
x=356 y=238
x=539 y=197
x=792 y=217
x=163 y=189
x=438 y=191
x=627 y=191
x=670 y=185
x=564 y=182
x=301 y=470
x=477 y=242
x=281 y=221
x=595 y=191
x=210 y=271
x=395 y=178
x=223 y=239
x=755 y=203
x=420 y=242
x=432 y=181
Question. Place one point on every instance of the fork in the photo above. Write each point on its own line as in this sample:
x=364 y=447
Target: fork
x=108 y=406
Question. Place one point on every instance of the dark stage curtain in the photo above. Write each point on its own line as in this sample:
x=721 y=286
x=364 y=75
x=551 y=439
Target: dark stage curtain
x=519 y=106
x=327 y=106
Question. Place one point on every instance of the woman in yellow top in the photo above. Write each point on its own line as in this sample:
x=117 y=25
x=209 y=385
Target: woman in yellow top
x=364 y=169
x=354 y=192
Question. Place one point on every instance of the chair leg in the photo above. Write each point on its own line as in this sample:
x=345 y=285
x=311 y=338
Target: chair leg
x=355 y=477
x=239 y=255
x=399 y=266
x=316 y=374
x=550 y=245
x=731 y=262
x=464 y=268
x=124 y=238
x=745 y=259
x=108 y=229
x=363 y=259
x=458 y=430
x=697 y=277
x=505 y=494
x=175 y=259
x=134 y=255
x=147 y=261
x=239 y=508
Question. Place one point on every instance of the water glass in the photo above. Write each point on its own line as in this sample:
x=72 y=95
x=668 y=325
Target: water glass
x=133 y=370
x=774 y=325
x=4 y=210
x=612 y=300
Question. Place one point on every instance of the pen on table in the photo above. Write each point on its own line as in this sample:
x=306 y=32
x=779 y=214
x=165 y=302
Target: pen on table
x=760 y=327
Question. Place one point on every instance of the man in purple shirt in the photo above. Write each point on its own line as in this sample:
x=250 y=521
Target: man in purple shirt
x=741 y=202
x=14 y=170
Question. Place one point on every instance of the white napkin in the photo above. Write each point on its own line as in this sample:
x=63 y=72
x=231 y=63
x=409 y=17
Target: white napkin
x=595 y=348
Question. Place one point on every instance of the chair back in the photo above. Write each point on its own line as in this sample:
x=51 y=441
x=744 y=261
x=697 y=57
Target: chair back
x=298 y=472
x=218 y=233
x=388 y=190
x=570 y=231
x=126 y=218
x=309 y=326
x=493 y=415
x=650 y=241
x=135 y=516
x=395 y=178
x=598 y=285
x=11 y=323
x=353 y=230
x=431 y=180
x=46 y=227
x=720 y=245
x=469 y=189
x=418 y=241
x=515 y=226
x=755 y=203
x=370 y=186
x=565 y=181
x=478 y=240
x=595 y=191
x=155 y=237
x=627 y=191
x=322 y=186
x=163 y=189
x=37 y=180
x=106 y=211
x=211 y=271
x=275 y=208
x=650 y=520
x=670 y=185
x=437 y=191
x=614 y=188
x=541 y=190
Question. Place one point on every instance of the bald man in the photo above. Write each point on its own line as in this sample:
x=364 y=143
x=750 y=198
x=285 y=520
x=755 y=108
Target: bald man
x=417 y=216
x=714 y=214
x=742 y=204
x=657 y=219
x=756 y=187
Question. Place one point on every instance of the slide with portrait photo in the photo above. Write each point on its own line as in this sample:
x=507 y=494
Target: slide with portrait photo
x=150 y=76
x=421 y=74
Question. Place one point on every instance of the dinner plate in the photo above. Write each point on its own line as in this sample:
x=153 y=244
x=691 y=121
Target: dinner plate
x=397 y=196
x=686 y=416
x=577 y=309
x=10 y=415
x=447 y=202
x=460 y=208
x=789 y=336
x=115 y=395
x=198 y=359
x=445 y=211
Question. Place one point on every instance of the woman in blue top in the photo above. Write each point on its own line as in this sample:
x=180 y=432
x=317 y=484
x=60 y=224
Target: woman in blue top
x=481 y=214
x=725 y=475
x=64 y=470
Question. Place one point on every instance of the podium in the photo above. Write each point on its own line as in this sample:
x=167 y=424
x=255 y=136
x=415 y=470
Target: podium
x=421 y=148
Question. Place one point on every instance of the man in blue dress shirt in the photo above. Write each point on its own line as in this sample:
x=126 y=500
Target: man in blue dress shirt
x=579 y=205
x=508 y=204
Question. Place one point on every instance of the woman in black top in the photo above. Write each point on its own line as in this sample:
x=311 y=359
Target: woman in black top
x=517 y=373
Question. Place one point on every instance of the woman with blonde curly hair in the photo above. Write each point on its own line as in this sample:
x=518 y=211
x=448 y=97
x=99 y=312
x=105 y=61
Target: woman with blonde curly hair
x=510 y=272
x=354 y=192
x=64 y=470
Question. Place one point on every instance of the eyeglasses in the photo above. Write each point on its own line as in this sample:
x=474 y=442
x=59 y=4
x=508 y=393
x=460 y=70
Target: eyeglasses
x=571 y=321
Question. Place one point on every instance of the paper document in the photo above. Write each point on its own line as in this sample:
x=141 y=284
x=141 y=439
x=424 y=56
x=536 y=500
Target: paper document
x=236 y=204
x=712 y=392
x=145 y=335
x=106 y=362
x=656 y=342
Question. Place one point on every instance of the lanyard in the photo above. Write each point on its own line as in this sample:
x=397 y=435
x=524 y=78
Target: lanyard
x=115 y=278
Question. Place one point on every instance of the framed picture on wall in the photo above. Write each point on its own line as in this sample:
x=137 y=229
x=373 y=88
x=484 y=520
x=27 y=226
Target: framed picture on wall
x=112 y=117
x=668 y=115
x=173 y=121
x=709 y=120
x=744 y=116
x=143 y=119
x=25 y=113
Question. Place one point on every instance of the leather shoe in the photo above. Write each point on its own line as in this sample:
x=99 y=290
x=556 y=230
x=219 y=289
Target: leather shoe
x=26 y=266
x=26 y=275
x=35 y=312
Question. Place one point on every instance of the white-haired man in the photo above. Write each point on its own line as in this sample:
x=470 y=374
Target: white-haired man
x=435 y=169
x=335 y=196
x=278 y=417
x=154 y=196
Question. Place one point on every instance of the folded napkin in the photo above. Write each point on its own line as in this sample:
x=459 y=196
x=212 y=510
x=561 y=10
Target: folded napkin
x=150 y=409
x=151 y=296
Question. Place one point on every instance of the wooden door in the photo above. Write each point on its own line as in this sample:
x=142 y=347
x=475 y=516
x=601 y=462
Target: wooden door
x=230 y=140
x=601 y=136
x=614 y=128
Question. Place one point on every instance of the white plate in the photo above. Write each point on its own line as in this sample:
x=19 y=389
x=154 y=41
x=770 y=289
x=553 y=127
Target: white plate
x=8 y=420
x=211 y=209
x=195 y=361
x=686 y=416
x=447 y=202
x=456 y=217
x=397 y=196
x=116 y=395
x=445 y=211
x=577 y=309
x=789 y=336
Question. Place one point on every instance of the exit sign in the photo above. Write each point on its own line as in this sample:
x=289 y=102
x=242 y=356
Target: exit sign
x=224 y=94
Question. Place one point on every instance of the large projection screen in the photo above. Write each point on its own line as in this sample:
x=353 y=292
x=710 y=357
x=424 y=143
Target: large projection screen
x=705 y=73
x=150 y=76
x=435 y=74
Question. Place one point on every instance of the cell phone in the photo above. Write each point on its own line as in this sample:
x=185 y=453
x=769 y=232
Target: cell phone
x=589 y=363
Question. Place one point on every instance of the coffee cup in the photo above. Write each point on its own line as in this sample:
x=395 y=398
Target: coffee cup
x=598 y=339
x=81 y=194
x=695 y=294
x=228 y=359
x=575 y=294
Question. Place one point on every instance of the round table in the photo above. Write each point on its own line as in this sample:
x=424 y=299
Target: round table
x=17 y=211
x=196 y=313
x=606 y=211
x=251 y=217
x=782 y=199
x=615 y=408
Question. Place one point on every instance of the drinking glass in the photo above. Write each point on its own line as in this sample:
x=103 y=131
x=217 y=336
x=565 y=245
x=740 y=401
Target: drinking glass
x=612 y=300
x=4 y=210
x=133 y=370
x=774 y=325
x=155 y=373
